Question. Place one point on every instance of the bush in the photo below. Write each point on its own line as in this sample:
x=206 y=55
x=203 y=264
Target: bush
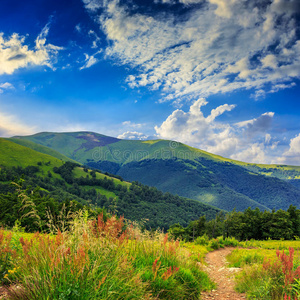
x=215 y=244
x=202 y=240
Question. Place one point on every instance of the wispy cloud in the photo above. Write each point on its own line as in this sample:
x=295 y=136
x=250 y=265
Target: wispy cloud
x=218 y=46
x=96 y=38
x=6 y=86
x=90 y=60
x=131 y=124
x=15 y=54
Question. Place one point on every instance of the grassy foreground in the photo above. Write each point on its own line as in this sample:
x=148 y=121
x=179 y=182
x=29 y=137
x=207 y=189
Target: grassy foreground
x=268 y=273
x=98 y=259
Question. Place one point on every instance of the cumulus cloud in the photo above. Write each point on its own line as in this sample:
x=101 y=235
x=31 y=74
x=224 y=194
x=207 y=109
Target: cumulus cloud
x=10 y=125
x=257 y=125
x=248 y=140
x=195 y=129
x=133 y=135
x=15 y=54
x=292 y=155
x=255 y=153
x=219 y=45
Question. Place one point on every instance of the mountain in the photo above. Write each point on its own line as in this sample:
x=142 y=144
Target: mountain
x=179 y=169
x=41 y=149
x=63 y=180
x=12 y=154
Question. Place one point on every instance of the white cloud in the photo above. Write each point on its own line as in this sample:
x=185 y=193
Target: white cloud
x=195 y=129
x=257 y=125
x=93 y=5
x=267 y=138
x=10 y=125
x=269 y=61
x=224 y=7
x=292 y=155
x=217 y=47
x=246 y=141
x=133 y=135
x=78 y=28
x=6 y=86
x=90 y=60
x=96 y=38
x=132 y=124
x=15 y=54
x=255 y=153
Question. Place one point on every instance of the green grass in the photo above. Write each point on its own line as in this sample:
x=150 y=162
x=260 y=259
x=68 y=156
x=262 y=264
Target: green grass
x=271 y=244
x=97 y=259
x=40 y=148
x=78 y=172
x=268 y=273
x=12 y=154
x=102 y=191
x=180 y=169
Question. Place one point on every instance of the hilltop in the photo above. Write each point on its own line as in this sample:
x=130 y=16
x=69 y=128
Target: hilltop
x=64 y=181
x=179 y=169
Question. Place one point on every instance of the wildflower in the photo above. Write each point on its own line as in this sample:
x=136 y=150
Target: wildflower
x=155 y=267
x=170 y=272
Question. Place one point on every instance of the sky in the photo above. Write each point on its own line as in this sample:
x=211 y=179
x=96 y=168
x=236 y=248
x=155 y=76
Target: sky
x=219 y=75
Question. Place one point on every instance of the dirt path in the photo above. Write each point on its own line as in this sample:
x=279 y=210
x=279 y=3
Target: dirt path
x=222 y=276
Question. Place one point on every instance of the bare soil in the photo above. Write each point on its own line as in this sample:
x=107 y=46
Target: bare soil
x=222 y=275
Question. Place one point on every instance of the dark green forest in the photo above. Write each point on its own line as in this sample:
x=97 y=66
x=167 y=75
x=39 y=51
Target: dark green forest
x=232 y=186
x=44 y=193
x=250 y=224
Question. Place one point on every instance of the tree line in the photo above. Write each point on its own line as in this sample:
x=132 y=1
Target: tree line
x=250 y=224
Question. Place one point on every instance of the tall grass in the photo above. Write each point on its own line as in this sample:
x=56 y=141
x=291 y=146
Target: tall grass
x=272 y=279
x=104 y=259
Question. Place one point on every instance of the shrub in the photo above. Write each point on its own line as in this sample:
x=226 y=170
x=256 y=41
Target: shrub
x=215 y=244
x=202 y=240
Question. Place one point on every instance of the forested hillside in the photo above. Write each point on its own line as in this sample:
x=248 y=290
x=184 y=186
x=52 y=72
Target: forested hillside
x=179 y=169
x=50 y=183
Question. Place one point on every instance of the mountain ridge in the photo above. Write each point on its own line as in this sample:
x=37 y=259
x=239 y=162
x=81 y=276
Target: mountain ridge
x=66 y=180
x=177 y=168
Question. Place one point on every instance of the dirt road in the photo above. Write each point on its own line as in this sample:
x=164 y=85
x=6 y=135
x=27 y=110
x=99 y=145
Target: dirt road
x=222 y=276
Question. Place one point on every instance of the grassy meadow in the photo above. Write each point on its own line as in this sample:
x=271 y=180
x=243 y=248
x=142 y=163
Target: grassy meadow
x=270 y=269
x=110 y=258
x=104 y=258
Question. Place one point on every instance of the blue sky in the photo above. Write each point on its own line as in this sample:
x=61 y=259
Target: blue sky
x=220 y=75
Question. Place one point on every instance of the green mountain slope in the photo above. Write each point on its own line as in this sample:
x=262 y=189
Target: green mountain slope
x=180 y=169
x=41 y=149
x=12 y=154
x=64 y=181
